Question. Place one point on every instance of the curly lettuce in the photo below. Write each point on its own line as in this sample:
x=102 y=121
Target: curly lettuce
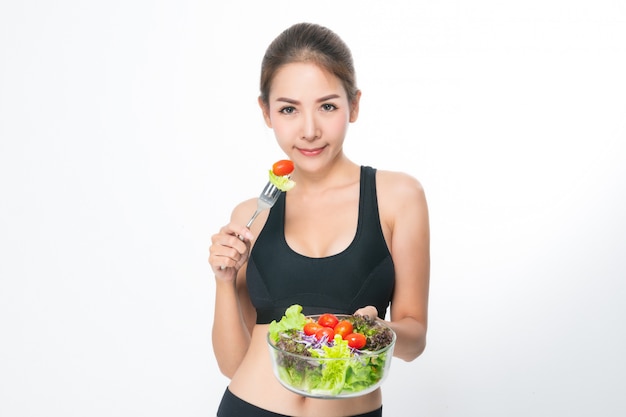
x=292 y=320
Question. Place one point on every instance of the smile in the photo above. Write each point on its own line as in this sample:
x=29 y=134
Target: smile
x=311 y=152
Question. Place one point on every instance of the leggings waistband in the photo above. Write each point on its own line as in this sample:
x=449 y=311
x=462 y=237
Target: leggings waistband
x=233 y=406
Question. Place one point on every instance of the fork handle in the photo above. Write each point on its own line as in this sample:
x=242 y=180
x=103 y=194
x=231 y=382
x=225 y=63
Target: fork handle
x=256 y=213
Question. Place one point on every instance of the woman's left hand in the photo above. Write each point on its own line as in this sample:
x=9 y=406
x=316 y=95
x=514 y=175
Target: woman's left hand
x=369 y=311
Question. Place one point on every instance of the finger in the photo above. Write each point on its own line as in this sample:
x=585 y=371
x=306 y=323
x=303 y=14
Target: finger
x=227 y=245
x=368 y=311
x=218 y=262
x=228 y=251
x=228 y=257
x=233 y=229
x=245 y=235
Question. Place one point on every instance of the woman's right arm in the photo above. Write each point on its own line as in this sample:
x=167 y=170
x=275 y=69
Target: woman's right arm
x=231 y=334
x=234 y=315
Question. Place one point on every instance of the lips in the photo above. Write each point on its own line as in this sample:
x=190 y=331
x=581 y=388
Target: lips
x=311 y=152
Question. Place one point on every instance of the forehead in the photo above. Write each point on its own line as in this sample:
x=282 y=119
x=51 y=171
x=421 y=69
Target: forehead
x=303 y=80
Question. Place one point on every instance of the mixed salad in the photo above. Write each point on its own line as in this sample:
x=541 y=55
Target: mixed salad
x=353 y=352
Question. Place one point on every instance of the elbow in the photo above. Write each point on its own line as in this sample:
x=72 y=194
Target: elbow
x=226 y=370
x=227 y=364
x=413 y=352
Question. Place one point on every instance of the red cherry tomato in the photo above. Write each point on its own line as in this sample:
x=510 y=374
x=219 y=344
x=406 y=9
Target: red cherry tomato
x=325 y=331
x=282 y=167
x=343 y=328
x=328 y=320
x=356 y=340
x=311 y=328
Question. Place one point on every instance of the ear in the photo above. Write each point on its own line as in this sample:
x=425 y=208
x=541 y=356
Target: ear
x=354 y=107
x=266 y=112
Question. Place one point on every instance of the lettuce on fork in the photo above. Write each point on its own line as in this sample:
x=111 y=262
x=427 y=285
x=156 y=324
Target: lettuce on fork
x=283 y=183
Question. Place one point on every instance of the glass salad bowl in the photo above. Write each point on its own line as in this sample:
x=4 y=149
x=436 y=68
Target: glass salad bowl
x=323 y=367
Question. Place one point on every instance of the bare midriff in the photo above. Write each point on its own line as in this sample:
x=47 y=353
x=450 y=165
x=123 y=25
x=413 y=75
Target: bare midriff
x=255 y=383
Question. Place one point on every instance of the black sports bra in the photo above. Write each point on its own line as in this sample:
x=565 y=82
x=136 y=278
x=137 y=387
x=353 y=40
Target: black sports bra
x=361 y=275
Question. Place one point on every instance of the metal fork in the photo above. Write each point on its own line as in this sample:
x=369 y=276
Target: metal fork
x=266 y=201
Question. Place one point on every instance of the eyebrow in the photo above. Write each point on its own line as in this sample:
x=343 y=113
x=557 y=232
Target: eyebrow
x=319 y=100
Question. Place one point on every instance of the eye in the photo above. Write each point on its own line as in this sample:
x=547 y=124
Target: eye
x=287 y=110
x=328 y=107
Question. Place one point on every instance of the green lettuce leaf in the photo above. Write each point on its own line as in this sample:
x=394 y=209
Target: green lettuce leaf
x=283 y=183
x=293 y=319
x=333 y=375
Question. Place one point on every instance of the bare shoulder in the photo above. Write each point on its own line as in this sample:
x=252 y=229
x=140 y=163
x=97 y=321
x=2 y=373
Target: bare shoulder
x=395 y=188
x=243 y=211
x=404 y=217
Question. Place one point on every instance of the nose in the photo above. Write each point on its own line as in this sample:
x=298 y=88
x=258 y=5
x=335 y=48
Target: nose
x=310 y=129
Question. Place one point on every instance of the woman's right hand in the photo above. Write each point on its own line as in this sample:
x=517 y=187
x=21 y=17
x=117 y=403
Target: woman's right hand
x=229 y=250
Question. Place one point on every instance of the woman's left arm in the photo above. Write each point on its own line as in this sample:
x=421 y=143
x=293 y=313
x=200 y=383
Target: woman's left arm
x=404 y=215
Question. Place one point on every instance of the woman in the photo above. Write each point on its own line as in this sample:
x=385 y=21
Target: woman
x=346 y=239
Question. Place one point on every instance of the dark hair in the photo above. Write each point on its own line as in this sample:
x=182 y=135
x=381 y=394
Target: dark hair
x=308 y=42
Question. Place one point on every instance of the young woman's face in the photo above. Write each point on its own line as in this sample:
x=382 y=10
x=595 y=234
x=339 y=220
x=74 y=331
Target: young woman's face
x=309 y=112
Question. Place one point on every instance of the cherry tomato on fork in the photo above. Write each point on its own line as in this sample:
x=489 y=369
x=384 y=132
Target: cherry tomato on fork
x=282 y=167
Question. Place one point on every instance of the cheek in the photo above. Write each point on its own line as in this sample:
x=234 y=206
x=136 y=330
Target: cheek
x=338 y=124
x=282 y=128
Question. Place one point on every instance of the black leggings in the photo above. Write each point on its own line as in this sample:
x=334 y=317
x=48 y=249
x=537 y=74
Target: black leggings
x=233 y=406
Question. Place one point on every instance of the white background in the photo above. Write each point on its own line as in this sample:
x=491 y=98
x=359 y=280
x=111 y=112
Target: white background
x=129 y=130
